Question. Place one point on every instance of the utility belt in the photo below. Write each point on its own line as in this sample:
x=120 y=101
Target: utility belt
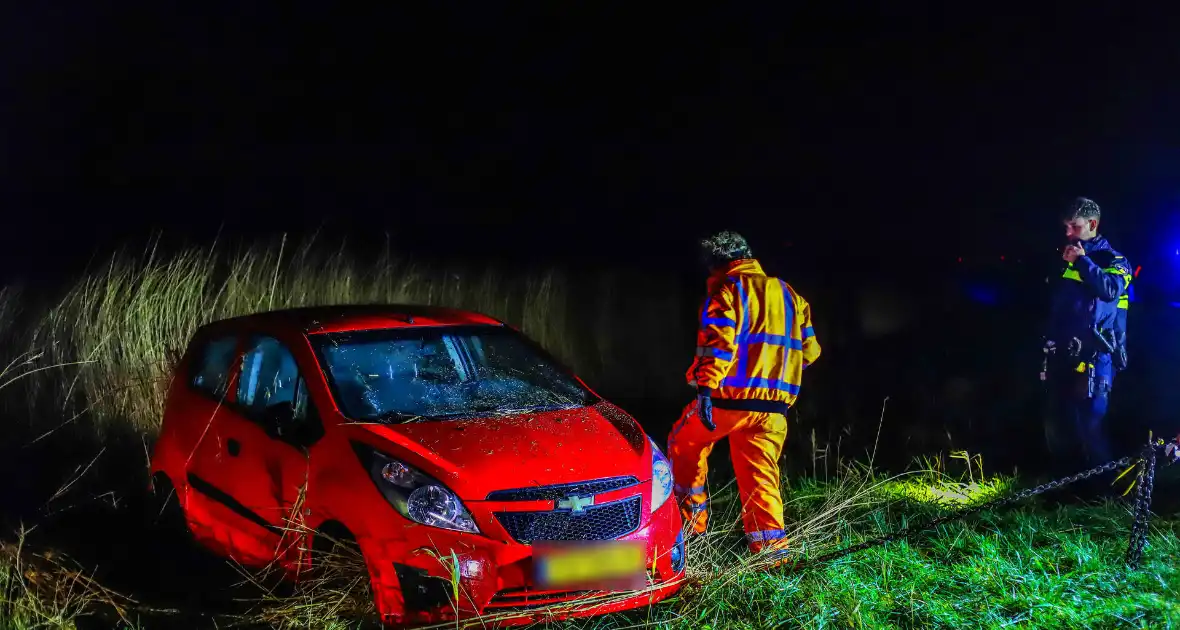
x=1080 y=357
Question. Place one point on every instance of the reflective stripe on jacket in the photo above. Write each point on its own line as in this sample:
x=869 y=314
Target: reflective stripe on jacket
x=1091 y=293
x=754 y=340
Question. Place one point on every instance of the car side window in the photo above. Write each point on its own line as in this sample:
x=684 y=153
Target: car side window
x=271 y=390
x=214 y=365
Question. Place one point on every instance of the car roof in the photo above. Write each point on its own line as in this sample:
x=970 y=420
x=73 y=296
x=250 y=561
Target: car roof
x=313 y=320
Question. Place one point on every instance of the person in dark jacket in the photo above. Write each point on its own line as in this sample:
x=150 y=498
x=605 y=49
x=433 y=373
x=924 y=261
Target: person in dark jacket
x=1085 y=339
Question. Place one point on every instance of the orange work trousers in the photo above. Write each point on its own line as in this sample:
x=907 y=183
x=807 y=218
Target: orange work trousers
x=756 y=442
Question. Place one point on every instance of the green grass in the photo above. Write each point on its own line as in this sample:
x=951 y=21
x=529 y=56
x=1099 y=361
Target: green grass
x=1037 y=569
x=1025 y=567
x=1028 y=566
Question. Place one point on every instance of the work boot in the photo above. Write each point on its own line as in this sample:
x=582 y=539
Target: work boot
x=696 y=516
x=774 y=554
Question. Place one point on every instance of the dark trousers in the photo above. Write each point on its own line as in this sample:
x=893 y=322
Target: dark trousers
x=1075 y=430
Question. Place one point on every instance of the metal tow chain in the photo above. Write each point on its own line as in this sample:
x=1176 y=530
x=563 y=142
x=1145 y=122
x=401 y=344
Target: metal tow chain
x=1138 y=541
x=1145 y=481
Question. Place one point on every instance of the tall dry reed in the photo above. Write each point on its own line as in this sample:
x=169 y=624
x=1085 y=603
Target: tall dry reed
x=124 y=318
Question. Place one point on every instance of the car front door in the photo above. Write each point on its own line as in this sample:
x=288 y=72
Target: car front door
x=260 y=472
x=273 y=394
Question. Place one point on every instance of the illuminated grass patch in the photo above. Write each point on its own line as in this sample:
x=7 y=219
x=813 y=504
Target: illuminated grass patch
x=946 y=492
x=931 y=485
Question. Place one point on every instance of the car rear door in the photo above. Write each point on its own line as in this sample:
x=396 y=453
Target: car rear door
x=208 y=414
x=247 y=467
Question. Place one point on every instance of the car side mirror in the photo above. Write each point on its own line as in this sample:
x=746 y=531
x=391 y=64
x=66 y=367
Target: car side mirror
x=279 y=419
x=281 y=423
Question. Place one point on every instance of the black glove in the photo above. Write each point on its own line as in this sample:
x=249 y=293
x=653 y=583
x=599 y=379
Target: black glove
x=705 y=408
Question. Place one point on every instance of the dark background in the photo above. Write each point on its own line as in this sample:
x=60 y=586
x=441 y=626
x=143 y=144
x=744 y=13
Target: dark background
x=864 y=152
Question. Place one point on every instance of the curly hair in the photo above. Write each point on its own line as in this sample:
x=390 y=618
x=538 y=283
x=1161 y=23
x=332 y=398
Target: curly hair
x=724 y=247
x=1082 y=208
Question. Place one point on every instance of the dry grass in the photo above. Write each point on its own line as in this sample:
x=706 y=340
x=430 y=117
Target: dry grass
x=123 y=318
x=826 y=513
x=1026 y=565
x=43 y=589
x=10 y=306
x=336 y=593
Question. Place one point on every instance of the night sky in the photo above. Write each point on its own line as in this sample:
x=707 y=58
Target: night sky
x=853 y=135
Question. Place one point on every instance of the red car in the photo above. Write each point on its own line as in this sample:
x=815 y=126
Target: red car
x=442 y=442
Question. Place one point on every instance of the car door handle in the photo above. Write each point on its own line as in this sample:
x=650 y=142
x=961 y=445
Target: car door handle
x=233 y=447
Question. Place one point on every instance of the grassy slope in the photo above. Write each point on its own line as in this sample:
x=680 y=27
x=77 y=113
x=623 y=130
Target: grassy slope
x=1029 y=567
x=1032 y=566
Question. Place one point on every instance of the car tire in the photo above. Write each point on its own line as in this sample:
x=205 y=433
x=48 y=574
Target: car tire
x=332 y=543
x=184 y=581
x=338 y=566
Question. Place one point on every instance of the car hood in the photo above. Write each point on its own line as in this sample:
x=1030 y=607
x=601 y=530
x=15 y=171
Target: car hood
x=476 y=456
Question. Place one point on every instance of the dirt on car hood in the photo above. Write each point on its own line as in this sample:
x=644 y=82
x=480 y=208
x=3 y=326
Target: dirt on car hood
x=476 y=456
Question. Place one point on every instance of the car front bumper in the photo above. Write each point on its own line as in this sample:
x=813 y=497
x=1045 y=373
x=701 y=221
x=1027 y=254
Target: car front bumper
x=413 y=580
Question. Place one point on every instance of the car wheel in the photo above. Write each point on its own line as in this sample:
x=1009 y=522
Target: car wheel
x=338 y=569
x=335 y=554
x=176 y=582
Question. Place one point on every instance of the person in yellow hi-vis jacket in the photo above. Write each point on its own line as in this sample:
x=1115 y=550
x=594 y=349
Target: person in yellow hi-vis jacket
x=753 y=343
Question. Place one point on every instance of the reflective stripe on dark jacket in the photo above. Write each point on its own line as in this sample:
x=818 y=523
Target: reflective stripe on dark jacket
x=1091 y=293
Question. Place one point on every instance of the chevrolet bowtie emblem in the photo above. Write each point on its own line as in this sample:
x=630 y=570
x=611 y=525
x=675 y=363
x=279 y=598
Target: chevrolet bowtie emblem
x=575 y=504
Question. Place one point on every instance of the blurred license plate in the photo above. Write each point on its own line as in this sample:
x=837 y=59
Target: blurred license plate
x=617 y=565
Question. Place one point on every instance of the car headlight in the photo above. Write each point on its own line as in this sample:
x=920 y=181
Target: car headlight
x=414 y=494
x=661 y=476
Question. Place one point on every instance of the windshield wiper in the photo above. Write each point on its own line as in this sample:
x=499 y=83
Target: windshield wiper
x=518 y=410
x=400 y=417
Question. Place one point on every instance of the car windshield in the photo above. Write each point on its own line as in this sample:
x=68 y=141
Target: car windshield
x=424 y=373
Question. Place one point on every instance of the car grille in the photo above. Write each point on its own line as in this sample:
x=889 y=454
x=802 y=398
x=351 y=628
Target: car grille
x=561 y=491
x=597 y=522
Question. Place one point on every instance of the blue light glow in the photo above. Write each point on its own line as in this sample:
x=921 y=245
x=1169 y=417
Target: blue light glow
x=979 y=294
